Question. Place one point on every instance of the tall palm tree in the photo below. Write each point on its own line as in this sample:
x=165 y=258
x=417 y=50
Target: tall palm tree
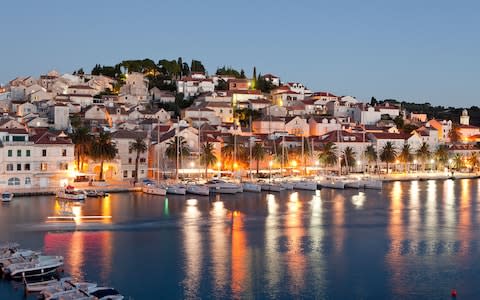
x=457 y=162
x=328 y=155
x=423 y=154
x=232 y=155
x=405 y=156
x=138 y=146
x=473 y=161
x=348 y=158
x=441 y=155
x=207 y=157
x=82 y=140
x=171 y=151
x=103 y=149
x=388 y=154
x=370 y=155
x=258 y=154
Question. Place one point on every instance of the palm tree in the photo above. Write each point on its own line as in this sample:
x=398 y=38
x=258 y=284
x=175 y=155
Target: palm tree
x=83 y=140
x=405 y=156
x=232 y=155
x=441 y=155
x=138 y=146
x=388 y=154
x=457 y=162
x=423 y=153
x=171 y=151
x=473 y=161
x=370 y=155
x=328 y=155
x=207 y=157
x=103 y=149
x=348 y=158
x=258 y=154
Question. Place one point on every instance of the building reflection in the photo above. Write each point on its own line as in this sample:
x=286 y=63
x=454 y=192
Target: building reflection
x=240 y=257
x=192 y=241
x=414 y=211
x=339 y=222
x=449 y=209
x=219 y=246
x=316 y=260
x=272 y=265
x=464 y=218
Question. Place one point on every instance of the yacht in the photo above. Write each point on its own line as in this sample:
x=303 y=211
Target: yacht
x=44 y=265
x=94 y=193
x=353 y=183
x=176 y=189
x=64 y=285
x=70 y=193
x=153 y=189
x=7 y=196
x=223 y=187
x=333 y=183
x=287 y=185
x=305 y=185
x=251 y=187
x=16 y=256
x=198 y=189
x=272 y=187
x=105 y=293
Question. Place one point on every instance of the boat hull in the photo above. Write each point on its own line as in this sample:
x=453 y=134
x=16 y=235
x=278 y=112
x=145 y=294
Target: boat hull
x=272 y=188
x=34 y=272
x=154 y=191
x=68 y=196
x=374 y=184
x=308 y=186
x=176 y=190
x=333 y=184
x=198 y=190
x=251 y=187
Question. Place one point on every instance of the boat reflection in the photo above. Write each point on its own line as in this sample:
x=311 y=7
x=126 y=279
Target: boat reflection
x=272 y=265
x=219 y=248
x=192 y=243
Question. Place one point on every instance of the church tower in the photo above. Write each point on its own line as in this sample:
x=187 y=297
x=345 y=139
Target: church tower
x=465 y=118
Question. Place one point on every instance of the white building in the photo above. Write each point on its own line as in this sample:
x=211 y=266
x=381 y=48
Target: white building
x=125 y=167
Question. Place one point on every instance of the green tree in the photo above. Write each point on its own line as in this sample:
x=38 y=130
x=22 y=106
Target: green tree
x=328 y=155
x=207 y=157
x=178 y=145
x=82 y=140
x=473 y=161
x=399 y=122
x=138 y=146
x=254 y=79
x=258 y=154
x=232 y=155
x=457 y=162
x=423 y=154
x=388 y=154
x=348 y=158
x=405 y=156
x=370 y=155
x=197 y=66
x=103 y=149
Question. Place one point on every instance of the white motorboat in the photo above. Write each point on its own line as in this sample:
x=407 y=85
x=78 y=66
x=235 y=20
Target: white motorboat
x=333 y=183
x=8 y=245
x=38 y=286
x=7 y=196
x=251 y=187
x=287 y=185
x=16 y=256
x=374 y=184
x=353 y=183
x=198 y=189
x=70 y=193
x=64 y=285
x=74 y=294
x=154 y=190
x=223 y=187
x=94 y=193
x=44 y=265
x=176 y=189
x=272 y=187
x=305 y=185
x=105 y=293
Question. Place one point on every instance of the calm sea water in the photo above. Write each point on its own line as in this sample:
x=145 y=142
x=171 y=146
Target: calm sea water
x=413 y=240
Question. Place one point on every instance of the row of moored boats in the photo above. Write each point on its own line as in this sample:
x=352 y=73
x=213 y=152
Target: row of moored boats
x=40 y=275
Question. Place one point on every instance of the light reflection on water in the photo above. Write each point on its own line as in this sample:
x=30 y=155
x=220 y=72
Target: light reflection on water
x=410 y=240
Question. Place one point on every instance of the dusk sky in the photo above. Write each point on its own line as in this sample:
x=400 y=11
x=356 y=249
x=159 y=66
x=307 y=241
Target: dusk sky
x=409 y=50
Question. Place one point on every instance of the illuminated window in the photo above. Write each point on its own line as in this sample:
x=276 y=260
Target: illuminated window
x=43 y=166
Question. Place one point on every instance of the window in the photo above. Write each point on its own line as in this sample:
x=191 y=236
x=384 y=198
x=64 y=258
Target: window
x=19 y=153
x=19 y=167
x=44 y=152
x=125 y=174
x=63 y=166
x=64 y=152
x=142 y=171
x=28 y=180
x=7 y=138
x=27 y=153
x=43 y=166
x=10 y=153
x=27 y=167
x=129 y=150
x=13 y=181
x=9 y=167
x=18 y=138
x=133 y=173
x=142 y=160
x=129 y=160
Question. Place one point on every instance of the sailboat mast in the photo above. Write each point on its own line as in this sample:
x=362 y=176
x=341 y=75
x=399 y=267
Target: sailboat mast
x=283 y=156
x=199 y=142
x=158 y=150
x=303 y=154
x=250 y=147
x=177 y=142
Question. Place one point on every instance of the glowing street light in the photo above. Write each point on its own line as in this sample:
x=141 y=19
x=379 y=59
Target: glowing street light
x=294 y=163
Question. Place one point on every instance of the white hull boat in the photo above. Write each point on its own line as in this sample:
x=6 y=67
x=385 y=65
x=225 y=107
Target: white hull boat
x=16 y=256
x=104 y=293
x=44 y=265
x=272 y=187
x=222 y=187
x=63 y=286
x=305 y=185
x=38 y=286
x=251 y=187
x=287 y=185
x=176 y=189
x=198 y=189
x=373 y=184
x=7 y=196
x=154 y=190
x=76 y=195
x=333 y=184
x=353 y=184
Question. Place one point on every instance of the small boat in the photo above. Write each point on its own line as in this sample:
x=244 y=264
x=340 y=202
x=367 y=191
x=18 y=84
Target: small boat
x=70 y=193
x=153 y=189
x=198 y=189
x=287 y=185
x=223 y=187
x=17 y=255
x=272 y=187
x=44 y=265
x=105 y=293
x=176 y=189
x=94 y=193
x=333 y=183
x=35 y=286
x=59 y=287
x=305 y=185
x=251 y=187
x=74 y=294
x=353 y=183
x=7 y=196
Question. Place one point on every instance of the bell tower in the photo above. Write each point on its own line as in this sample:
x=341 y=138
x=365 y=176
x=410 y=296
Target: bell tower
x=465 y=118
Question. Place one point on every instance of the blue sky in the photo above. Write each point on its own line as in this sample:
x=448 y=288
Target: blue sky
x=409 y=50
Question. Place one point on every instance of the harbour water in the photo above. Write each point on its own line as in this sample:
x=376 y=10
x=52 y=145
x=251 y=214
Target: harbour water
x=412 y=240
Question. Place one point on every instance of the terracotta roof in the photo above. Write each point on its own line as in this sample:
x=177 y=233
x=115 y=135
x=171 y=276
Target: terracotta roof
x=79 y=86
x=128 y=134
x=343 y=137
x=14 y=130
x=49 y=138
x=390 y=136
